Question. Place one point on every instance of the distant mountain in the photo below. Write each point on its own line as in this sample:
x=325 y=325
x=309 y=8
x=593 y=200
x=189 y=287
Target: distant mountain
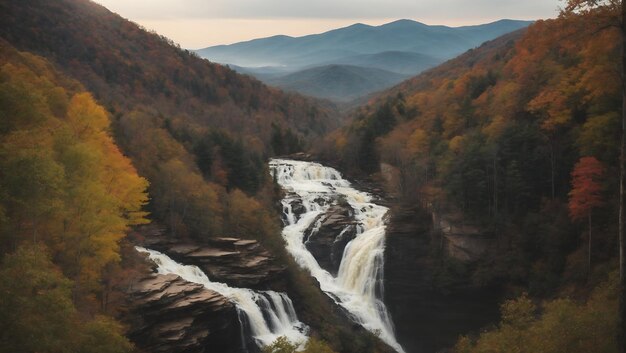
x=338 y=82
x=402 y=62
x=400 y=48
x=440 y=42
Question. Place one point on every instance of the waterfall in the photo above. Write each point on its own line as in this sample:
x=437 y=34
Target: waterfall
x=269 y=314
x=358 y=286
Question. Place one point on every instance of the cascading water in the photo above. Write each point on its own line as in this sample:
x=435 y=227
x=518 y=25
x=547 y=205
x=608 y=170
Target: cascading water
x=358 y=286
x=269 y=314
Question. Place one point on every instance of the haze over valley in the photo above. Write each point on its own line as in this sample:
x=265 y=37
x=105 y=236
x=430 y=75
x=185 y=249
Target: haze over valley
x=335 y=178
x=345 y=64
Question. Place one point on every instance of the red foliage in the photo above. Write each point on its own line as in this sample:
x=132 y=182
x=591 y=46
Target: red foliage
x=586 y=191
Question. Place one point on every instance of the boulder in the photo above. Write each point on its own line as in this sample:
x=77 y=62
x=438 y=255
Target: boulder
x=168 y=314
x=329 y=234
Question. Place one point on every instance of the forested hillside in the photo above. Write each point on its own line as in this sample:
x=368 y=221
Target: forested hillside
x=198 y=131
x=67 y=197
x=198 y=135
x=518 y=139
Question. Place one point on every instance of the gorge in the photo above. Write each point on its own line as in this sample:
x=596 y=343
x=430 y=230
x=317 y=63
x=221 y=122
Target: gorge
x=463 y=228
x=311 y=191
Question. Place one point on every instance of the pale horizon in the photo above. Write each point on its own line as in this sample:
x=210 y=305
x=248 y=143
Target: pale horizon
x=194 y=25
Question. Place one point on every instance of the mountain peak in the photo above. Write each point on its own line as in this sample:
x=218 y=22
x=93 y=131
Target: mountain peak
x=358 y=25
x=404 y=23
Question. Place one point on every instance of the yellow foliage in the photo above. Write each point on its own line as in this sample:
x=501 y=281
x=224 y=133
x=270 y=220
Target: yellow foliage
x=497 y=126
x=564 y=326
x=65 y=180
x=418 y=142
x=456 y=144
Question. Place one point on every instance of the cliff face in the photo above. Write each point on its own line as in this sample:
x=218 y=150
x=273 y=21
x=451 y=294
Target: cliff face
x=237 y=262
x=430 y=306
x=170 y=315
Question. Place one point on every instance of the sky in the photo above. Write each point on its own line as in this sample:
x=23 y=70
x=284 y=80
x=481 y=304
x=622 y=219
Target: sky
x=197 y=24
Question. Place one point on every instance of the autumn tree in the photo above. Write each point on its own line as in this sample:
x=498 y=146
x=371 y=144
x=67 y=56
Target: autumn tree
x=35 y=303
x=37 y=313
x=67 y=198
x=614 y=12
x=586 y=193
x=563 y=325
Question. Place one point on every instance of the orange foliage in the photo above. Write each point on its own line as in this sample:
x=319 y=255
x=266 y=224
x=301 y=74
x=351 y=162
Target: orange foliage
x=586 y=193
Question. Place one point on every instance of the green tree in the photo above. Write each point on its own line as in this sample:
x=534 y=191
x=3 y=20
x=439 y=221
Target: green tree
x=282 y=345
x=36 y=312
x=563 y=326
x=103 y=335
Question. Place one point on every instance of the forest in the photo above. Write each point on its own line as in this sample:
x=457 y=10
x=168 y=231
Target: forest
x=68 y=198
x=195 y=135
x=518 y=138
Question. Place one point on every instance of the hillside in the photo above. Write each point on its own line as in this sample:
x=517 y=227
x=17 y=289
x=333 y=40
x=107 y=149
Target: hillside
x=338 y=82
x=198 y=132
x=402 y=62
x=68 y=197
x=491 y=145
x=213 y=126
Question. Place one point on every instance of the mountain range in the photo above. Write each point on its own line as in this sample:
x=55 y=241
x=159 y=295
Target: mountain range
x=404 y=48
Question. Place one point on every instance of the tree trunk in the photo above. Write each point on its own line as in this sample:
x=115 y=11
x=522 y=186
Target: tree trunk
x=552 y=177
x=495 y=187
x=589 y=251
x=622 y=241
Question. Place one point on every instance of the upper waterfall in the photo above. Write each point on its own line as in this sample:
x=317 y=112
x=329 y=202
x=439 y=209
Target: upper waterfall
x=269 y=314
x=358 y=286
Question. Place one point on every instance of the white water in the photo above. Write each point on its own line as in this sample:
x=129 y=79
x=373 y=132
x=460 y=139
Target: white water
x=358 y=286
x=270 y=314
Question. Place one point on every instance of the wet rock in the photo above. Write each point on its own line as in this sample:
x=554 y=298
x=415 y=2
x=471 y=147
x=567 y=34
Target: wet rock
x=169 y=314
x=329 y=234
x=234 y=261
x=297 y=208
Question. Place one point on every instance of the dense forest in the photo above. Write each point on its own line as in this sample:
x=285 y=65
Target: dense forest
x=68 y=197
x=198 y=131
x=198 y=135
x=520 y=139
x=105 y=126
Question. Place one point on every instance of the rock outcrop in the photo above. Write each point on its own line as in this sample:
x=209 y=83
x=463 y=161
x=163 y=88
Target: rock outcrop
x=329 y=234
x=237 y=262
x=170 y=315
x=462 y=241
x=429 y=313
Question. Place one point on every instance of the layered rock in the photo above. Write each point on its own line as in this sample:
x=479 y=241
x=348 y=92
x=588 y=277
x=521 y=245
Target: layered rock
x=237 y=262
x=329 y=234
x=170 y=315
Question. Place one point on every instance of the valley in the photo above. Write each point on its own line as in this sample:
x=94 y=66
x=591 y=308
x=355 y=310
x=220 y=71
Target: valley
x=355 y=54
x=399 y=187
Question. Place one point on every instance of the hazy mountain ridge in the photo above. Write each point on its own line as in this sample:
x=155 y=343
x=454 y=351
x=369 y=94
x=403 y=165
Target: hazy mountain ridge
x=403 y=47
x=340 y=82
x=401 y=35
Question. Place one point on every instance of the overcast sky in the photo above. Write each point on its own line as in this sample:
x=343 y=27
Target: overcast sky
x=200 y=23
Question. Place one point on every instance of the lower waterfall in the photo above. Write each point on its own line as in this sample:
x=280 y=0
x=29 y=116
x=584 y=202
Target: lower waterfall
x=268 y=314
x=358 y=286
